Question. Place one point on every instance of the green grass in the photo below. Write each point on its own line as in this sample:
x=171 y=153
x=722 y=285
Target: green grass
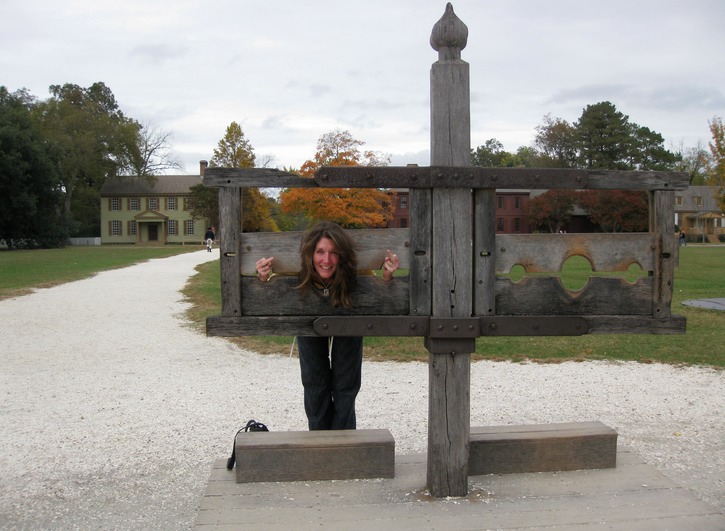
x=22 y=271
x=701 y=274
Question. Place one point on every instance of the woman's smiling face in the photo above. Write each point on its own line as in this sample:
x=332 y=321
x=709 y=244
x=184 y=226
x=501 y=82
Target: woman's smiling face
x=325 y=259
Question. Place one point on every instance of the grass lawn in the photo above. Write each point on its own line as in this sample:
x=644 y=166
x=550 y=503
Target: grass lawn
x=701 y=275
x=22 y=271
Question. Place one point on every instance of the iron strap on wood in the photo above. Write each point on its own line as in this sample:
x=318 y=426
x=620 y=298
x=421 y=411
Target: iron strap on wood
x=451 y=327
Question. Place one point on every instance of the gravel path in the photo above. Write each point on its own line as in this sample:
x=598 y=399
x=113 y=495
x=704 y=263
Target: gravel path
x=113 y=409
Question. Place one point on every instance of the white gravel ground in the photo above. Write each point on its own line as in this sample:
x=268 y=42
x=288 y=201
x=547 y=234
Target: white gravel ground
x=113 y=409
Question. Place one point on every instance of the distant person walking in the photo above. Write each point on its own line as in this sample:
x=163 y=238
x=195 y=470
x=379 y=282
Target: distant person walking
x=209 y=238
x=683 y=238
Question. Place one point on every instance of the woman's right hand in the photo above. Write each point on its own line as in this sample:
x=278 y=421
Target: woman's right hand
x=264 y=268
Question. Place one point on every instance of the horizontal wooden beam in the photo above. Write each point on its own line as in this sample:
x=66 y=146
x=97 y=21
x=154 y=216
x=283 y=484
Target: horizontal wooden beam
x=403 y=325
x=449 y=177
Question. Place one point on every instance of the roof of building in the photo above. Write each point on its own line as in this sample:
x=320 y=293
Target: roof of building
x=163 y=185
x=708 y=195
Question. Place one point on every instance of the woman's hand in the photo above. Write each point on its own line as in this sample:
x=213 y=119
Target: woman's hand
x=390 y=265
x=264 y=268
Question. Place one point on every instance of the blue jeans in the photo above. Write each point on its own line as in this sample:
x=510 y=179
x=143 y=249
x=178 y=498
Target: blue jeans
x=331 y=383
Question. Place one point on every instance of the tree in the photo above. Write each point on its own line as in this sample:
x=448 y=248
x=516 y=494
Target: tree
x=695 y=161
x=93 y=140
x=30 y=193
x=552 y=209
x=349 y=207
x=616 y=210
x=556 y=140
x=235 y=151
x=153 y=154
x=604 y=138
x=490 y=155
x=717 y=148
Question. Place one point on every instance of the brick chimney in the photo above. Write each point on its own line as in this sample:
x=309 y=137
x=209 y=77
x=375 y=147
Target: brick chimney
x=202 y=167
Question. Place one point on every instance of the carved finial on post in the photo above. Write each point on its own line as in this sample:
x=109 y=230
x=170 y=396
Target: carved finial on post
x=449 y=36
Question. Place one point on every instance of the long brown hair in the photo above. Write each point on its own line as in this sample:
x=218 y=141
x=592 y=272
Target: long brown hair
x=344 y=280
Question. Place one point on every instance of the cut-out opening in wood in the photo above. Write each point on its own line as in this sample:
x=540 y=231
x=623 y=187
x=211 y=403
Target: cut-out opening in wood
x=576 y=273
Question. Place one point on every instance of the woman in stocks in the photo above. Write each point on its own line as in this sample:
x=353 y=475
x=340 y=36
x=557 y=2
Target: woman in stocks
x=331 y=367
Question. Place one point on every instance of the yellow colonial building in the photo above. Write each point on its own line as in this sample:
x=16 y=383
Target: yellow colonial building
x=138 y=211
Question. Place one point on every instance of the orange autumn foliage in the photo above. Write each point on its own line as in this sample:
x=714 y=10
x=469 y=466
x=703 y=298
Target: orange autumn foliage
x=348 y=207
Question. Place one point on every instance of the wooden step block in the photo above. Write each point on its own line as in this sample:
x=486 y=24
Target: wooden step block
x=314 y=455
x=541 y=448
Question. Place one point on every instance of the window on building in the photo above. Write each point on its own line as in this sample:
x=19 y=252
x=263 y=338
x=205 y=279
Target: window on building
x=132 y=228
x=115 y=227
x=517 y=224
x=153 y=203
x=115 y=203
x=171 y=203
x=403 y=223
x=500 y=201
x=698 y=200
x=403 y=201
x=189 y=226
x=172 y=227
x=499 y=225
x=188 y=203
x=133 y=203
x=678 y=200
x=517 y=202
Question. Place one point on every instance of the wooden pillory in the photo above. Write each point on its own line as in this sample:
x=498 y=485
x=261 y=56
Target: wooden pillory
x=453 y=294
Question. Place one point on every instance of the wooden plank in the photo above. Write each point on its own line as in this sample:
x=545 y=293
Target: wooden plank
x=314 y=455
x=304 y=325
x=633 y=324
x=254 y=178
x=220 y=326
x=542 y=448
x=548 y=252
x=421 y=252
x=442 y=175
x=279 y=296
x=230 y=217
x=485 y=252
x=547 y=296
x=666 y=249
x=371 y=246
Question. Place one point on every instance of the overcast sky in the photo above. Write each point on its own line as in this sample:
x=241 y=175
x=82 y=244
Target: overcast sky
x=289 y=71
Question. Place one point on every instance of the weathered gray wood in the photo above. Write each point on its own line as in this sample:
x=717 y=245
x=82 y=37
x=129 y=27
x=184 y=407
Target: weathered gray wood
x=662 y=212
x=547 y=296
x=548 y=252
x=220 y=326
x=449 y=373
x=485 y=252
x=230 y=216
x=371 y=246
x=542 y=448
x=409 y=326
x=632 y=324
x=460 y=176
x=372 y=296
x=421 y=252
x=254 y=178
x=314 y=455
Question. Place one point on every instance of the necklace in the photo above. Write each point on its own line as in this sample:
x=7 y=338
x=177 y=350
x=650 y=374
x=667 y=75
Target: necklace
x=322 y=287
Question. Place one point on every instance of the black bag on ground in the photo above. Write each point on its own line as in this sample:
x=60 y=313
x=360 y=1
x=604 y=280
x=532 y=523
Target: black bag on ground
x=252 y=425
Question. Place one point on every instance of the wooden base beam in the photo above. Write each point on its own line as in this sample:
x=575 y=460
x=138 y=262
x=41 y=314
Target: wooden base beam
x=314 y=455
x=541 y=448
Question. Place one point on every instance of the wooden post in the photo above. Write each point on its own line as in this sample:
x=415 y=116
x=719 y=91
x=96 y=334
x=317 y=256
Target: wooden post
x=230 y=216
x=450 y=360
